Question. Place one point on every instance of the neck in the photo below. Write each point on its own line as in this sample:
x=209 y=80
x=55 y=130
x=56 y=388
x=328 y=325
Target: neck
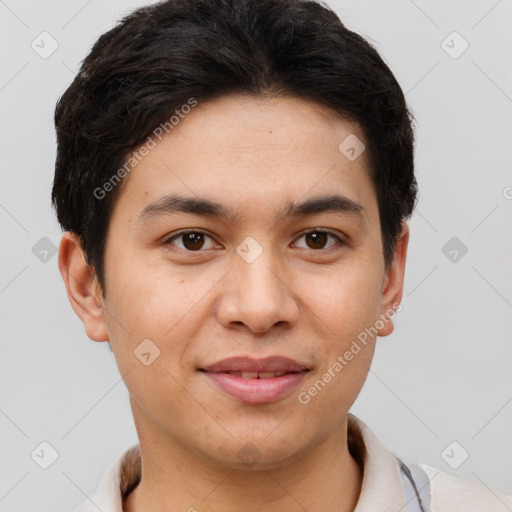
x=326 y=478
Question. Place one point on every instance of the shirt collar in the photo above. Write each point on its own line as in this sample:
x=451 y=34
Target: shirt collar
x=382 y=483
x=381 y=487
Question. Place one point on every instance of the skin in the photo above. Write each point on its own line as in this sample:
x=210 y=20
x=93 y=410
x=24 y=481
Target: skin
x=301 y=298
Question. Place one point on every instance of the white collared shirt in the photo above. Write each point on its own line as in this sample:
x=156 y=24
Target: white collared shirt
x=381 y=491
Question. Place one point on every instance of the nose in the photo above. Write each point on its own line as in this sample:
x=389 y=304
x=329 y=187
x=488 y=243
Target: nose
x=257 y=294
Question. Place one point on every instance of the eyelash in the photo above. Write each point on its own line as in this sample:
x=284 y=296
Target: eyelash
x=168 y=241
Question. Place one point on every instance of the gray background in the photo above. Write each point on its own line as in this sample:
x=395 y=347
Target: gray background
x=443 y=376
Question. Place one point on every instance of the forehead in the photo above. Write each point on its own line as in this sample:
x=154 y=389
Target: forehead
x=255 y=151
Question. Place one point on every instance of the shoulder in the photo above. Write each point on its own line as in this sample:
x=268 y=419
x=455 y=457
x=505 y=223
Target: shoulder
x=453 y=494
x=122 y=476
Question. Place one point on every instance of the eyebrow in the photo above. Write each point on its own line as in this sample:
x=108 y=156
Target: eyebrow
x=201 y=206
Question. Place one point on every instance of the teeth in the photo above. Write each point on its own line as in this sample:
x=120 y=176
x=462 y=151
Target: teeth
x=249 y=375
x=256 y=375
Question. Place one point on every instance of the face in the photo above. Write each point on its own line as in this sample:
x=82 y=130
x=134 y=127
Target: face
x=287 y=263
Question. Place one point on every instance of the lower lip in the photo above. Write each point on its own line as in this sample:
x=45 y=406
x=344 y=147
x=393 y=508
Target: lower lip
x=256 y=391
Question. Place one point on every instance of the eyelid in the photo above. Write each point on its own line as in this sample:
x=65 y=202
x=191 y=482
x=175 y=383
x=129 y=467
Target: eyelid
x=321 y=230
x=169 y=238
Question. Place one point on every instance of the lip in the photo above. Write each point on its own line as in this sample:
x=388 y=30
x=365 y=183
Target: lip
x=256 y=390
x=249 y=364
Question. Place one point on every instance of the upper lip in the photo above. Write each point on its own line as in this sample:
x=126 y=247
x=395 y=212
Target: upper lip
x=248 y=364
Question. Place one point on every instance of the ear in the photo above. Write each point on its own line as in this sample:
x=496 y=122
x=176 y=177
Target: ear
x=393 y=285
x=83 y=290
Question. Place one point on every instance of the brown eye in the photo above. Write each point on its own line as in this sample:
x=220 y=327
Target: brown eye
x=193 y=241
x=318 y=239
x=190 y=241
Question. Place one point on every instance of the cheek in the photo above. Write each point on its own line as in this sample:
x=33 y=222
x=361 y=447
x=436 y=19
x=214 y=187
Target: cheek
x=150 y=331
x=147 y=299
x=140 y=306
x=346 y=307
x=157 y=303
x=346 y=301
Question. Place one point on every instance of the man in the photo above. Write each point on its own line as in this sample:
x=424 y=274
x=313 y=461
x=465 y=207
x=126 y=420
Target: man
x=234 y=179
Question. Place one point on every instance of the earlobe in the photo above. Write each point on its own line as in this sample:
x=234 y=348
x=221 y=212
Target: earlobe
x=394 y=283
x=82 y=287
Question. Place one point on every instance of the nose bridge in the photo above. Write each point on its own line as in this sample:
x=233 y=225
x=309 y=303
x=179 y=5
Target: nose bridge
x=257 y=295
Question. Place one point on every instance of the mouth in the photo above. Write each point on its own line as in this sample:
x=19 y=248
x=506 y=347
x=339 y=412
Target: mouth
x=256 y=381
x=255 y=375
x=249 y=365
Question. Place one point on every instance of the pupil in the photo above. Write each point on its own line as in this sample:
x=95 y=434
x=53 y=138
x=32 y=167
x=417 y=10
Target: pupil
x=193 y=241
x=318 y=239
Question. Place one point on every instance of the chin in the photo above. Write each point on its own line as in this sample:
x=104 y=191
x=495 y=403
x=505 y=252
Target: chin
x=258 y=452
